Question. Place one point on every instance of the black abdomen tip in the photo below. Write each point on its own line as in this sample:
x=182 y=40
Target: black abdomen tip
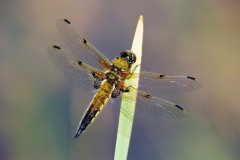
x=79 y=132
x=76 y=135
x=67 y=21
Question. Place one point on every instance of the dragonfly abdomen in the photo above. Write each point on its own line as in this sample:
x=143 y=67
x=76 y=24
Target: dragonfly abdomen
x=99 y=100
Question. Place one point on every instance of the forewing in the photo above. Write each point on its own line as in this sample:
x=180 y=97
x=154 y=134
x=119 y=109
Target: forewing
x=77 y=71
x=83 y=49
x=149 y=105
x=159 y=84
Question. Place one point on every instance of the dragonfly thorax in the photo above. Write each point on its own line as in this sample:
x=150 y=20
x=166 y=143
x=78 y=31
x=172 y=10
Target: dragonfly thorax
x=124 y=61
x=115 y=69
x=112 y=77
x=121 y=64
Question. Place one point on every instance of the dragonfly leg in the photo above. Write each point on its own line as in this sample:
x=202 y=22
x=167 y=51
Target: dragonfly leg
x=116 y=92
x=134 y=69
x=97 y=81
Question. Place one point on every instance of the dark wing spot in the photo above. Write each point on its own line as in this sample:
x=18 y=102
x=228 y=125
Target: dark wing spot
x=192 y=78
x=161 y=75
x=127 y=90
x=80 y=62
x=179 y=107
x=56 y=47
x=84 y=41
x=67 y=21
x=147 y=96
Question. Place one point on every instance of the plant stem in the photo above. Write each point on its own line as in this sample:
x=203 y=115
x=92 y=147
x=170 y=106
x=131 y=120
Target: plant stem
x=128 y=106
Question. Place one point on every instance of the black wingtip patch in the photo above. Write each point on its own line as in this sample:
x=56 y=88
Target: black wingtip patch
x=148 y=96
x=57 y=47
x=192 y=78
x=79 y=62
x=179 y=107
x=67 y=21
x=161 y=75
x=84 y=41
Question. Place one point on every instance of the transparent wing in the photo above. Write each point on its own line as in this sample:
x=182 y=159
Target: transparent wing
x=149 y=105
x=83 y=49
x=77 y=71
x=159 y=84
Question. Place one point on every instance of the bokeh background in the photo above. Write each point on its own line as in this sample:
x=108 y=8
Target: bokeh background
x=39 y=110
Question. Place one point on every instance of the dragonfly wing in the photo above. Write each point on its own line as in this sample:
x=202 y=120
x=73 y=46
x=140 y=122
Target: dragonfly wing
x=153 y=106
x=77 y=71
x=80 y=46
x=159 y=84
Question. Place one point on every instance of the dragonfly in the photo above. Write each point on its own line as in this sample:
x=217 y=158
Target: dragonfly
x=91 y=70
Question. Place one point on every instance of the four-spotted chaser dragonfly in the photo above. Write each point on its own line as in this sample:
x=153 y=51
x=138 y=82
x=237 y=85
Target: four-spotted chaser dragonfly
x=91 y=70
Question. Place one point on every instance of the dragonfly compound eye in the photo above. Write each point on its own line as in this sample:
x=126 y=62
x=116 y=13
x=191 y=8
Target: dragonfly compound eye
x=128 y=56
x=132 y=58
x=123 y=55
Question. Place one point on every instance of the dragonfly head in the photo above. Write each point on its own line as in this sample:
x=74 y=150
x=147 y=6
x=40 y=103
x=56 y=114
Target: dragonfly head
x=129 y=56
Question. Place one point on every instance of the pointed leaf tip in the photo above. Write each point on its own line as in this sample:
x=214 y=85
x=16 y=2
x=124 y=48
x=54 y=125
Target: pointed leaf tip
x=141 y=18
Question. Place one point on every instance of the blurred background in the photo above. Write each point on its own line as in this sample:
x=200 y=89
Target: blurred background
x=39 y=111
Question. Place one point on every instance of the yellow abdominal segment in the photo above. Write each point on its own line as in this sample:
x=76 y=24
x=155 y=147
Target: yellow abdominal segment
x=101 y=97
x=99 y=100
